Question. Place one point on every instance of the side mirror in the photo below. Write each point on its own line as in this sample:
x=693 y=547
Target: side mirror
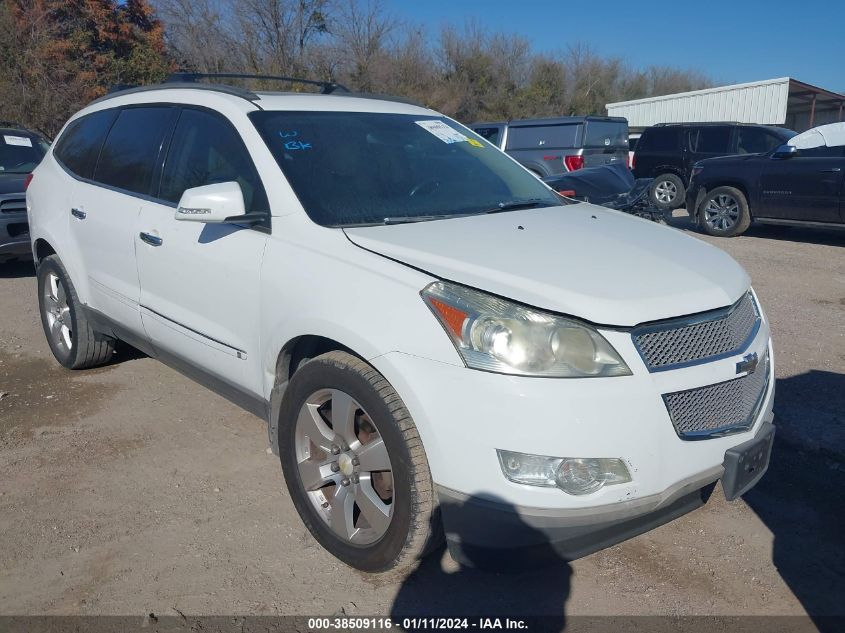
x=217 y=203
x=785 y=151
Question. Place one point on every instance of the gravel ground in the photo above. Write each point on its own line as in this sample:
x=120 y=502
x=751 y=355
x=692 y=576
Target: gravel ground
x=129 y=489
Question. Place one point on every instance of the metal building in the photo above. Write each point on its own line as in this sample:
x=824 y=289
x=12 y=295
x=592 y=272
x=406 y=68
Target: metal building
x=785 y=101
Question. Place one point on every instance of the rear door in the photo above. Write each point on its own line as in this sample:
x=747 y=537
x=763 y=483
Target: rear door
x=200 y=282
x=605 y=142
x=105 y=208
x=806 y=187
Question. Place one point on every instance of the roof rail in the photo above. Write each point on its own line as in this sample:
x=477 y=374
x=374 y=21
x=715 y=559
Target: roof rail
x=698 y=123
x=326 y=87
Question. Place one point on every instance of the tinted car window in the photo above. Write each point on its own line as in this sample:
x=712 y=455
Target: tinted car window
x=128 y=158
x=492 y=134
x=205 y=150
x=351 y=168
x=711 y=140
x=660 y=139
x=606 y=134
x=545 y=136
x=79 y=146
x=20 y=152
x=754 y=140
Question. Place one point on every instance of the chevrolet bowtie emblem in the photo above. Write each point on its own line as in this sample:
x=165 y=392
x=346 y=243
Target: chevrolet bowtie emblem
x=748 y=364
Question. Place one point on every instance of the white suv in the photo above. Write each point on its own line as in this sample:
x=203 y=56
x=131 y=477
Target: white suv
x=439 y=343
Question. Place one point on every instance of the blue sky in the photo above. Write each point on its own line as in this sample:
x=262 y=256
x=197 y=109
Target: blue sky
x=732 y=42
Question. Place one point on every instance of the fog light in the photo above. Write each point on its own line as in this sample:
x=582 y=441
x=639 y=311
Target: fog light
x=573 y=475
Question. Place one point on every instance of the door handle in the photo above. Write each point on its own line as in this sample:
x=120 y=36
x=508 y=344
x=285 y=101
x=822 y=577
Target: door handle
x=832 y=170
x=152 y=240
x=78 y=213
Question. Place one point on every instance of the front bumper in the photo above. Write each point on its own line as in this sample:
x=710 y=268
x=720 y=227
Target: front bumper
x=695 y=195
x=485 y=532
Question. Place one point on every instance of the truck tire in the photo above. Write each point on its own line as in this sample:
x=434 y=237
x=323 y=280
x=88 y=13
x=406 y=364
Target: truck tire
x=72 y=339
x=668 y=192
x=361 y=481
x=724 y=212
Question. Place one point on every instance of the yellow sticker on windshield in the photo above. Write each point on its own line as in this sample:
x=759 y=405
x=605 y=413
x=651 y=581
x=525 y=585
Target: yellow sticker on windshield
x=474 y=143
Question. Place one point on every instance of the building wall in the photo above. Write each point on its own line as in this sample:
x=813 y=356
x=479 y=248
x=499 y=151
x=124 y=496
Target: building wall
x=759 y=102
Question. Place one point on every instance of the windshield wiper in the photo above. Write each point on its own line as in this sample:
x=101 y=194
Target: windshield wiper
x=407 y=219
x=515 y=205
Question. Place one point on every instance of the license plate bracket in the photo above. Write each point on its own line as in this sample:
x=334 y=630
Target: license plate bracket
x=746 y=463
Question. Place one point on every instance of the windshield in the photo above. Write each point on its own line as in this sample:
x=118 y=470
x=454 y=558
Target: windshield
x=19 y=153
x=353 y=168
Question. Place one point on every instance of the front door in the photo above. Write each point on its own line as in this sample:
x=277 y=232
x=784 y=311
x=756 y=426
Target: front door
x=200 y=282
x=805 y=187
x=104 y=211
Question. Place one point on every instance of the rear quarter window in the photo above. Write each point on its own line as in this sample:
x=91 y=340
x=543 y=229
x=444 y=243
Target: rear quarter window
x=660 y=139
x=711 y=140
x=491 y=134
x=545 y=136
x=606 y=134
x=78 y=147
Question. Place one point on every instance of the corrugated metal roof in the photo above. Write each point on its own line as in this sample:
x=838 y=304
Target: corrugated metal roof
x=756 y=102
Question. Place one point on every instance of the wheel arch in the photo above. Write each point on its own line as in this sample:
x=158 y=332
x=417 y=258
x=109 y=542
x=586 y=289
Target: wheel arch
x=728 y=182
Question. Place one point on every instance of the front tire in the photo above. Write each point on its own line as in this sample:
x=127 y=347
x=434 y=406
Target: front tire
x=724 y=212
x=72 y=339
x=355 y=466
x=668 y=192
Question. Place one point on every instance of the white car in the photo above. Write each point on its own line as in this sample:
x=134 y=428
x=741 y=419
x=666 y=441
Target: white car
x=435 y=338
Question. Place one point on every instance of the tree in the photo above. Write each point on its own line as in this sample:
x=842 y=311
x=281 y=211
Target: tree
x=60 y=54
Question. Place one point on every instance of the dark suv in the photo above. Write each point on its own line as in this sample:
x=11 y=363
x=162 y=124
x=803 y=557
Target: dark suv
x=667 y=152
x=20 y=152
x=549 y=147
x=786 y=186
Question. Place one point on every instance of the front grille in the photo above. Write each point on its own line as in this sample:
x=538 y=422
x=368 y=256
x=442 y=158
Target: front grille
x=13 y=205
x=698 y=339
x=720 y=409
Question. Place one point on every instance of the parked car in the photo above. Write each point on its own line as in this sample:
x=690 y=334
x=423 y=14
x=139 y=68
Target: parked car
x=667 y=152
x=413 y=343
x=612 y=186
x=800 y=182
x=548 y=147
x=20 y=151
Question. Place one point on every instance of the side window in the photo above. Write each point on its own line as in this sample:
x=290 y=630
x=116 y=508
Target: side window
x=128 y=158
x=659 y=139
x=206 y=149
x=564 y=136
x=711 y=140
x=754 y=140
x=79 y=146
x=491 y=134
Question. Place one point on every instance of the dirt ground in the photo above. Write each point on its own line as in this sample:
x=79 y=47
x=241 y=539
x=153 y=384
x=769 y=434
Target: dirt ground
x=129 y=489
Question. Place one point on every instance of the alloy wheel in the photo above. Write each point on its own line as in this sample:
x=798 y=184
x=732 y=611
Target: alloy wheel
x=666 y=191
x=721 y=212
x=344 y=467
x=58 y=312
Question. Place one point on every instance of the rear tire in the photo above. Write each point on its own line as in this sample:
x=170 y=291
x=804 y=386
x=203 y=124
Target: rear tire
x=332 y=474
x=724 y=212
x=72 y=339
x=668 y=192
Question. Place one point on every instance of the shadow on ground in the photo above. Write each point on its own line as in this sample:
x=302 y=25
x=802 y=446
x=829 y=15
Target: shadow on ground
x=801 y=499
x=16 y=269
x=806 y=235
x=490 y=584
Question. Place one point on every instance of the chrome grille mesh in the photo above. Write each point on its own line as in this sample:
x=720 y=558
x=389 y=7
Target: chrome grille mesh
x=689 y=341
x=721 y=408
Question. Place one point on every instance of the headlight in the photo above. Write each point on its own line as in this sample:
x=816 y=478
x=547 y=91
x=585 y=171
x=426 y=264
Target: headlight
x=573 y=475
x=493 y=334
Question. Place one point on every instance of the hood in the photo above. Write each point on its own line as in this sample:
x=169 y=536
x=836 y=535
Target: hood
x=603 y=266
x=11 y=183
